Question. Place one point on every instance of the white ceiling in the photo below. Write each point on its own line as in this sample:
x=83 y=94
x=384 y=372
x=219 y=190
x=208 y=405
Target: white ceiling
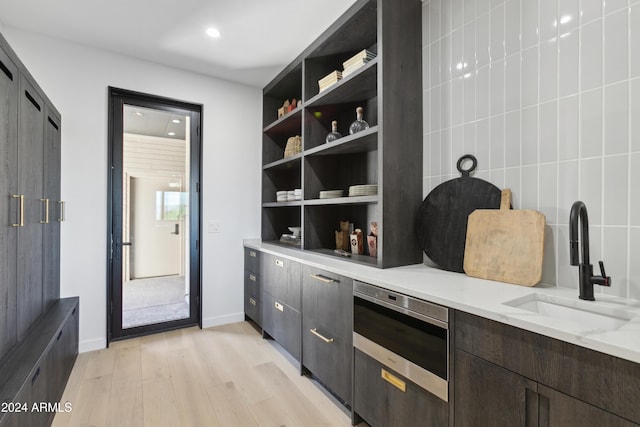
x=258 y=37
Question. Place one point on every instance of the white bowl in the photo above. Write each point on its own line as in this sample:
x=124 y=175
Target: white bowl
x=295 y=231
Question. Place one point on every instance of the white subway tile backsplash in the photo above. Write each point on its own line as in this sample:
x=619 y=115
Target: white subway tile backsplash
x=497 y=88
x=591 y=123
x=548 y=197
x=591 y=188
x=616 y=56
x=483 y=43
x=567 y=189
x=546 y=94
x=549 y=132
x=591 y=55
x=512 y=82
x=615 y=201
x=548 y=70
x=634 y=190
x=530 y=76
x=512 y=139
x=634 y=265
x=529 y=135
x=548 y=20
x=569 y=51
x=497 y=142
x=635 y=115
x=483 y=92
x=529 y=185
x=568 y=128
x=497 y=33
x=616 y=118
x=614 y=255
x=512 y=27
x=634 y=37
x=568 y=11
x=590 y=10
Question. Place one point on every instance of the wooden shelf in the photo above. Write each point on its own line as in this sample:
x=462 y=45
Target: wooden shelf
x=288 y=163
x=288 y=124
x=354 y=200
x=357 y=86
x=281 y=204
x=361 y=142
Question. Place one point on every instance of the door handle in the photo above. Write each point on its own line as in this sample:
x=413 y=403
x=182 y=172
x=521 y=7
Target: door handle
x=61 y=214
x=21 y=197
x=123 y=244
x=176 y=230
x=46 y=211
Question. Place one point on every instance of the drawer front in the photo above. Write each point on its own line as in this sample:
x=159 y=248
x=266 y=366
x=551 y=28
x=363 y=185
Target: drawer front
x=384 y=398
x=252 y=284
x=252 y=308
x=281 y=279
x=283 y=323
x=251 y=260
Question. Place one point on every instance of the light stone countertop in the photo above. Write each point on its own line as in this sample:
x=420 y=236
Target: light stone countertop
x=486 y=298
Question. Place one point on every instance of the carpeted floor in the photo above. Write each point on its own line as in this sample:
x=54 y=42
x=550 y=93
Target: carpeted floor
x=153 y=300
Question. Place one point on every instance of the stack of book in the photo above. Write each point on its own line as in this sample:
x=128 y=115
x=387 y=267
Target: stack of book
x=330 y=79
x=357 y=61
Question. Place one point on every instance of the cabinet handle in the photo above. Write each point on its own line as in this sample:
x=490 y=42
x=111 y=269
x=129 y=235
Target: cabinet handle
x=323 y=279
x=61 y=205
x=35 y=376
x=252 y=277
x=59 y=336
x=393 y=380
x=279 y=306
x=315 y=332
x=21 y=197
x=252 y=301
x=46 y=211
x=279 y=263
x=252 y=254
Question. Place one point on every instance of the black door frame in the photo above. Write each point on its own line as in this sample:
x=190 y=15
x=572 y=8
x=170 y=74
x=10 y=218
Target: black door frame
x=117 y=99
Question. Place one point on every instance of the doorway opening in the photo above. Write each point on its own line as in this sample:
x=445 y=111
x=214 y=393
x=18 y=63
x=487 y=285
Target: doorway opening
x=154 y=214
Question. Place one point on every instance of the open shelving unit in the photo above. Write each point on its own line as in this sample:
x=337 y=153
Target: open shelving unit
x=388 y=154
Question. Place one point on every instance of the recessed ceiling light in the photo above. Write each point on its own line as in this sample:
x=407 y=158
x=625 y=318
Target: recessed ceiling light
x=176 y=120
x=213 y=32
x=139 y=114
x=171 y=134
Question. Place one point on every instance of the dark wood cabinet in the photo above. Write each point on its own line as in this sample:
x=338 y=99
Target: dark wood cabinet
x=283 y=323
x=508 y=376
x=327 y=325
x=252 y=286
x=387 y=154
x=386 y=398
x=281 y=279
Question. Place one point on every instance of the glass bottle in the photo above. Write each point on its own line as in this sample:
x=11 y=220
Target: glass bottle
x=359 y=124
x=334 y=132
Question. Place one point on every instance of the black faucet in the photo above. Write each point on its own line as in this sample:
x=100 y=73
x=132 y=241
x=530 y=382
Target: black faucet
x=585 y=270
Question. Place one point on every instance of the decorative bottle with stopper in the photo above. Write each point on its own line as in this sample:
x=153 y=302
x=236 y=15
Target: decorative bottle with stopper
x=359 y=124
x=334 y=132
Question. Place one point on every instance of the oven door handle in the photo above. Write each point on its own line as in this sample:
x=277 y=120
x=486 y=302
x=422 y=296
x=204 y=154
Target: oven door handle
x=315 y=332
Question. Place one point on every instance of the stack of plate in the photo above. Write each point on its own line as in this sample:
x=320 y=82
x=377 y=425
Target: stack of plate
x=363 y=190
x=331 y=194
x=281 y=196
x=294 y=194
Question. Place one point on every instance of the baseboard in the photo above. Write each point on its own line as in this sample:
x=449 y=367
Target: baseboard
x=92 y=345
x=222 y=320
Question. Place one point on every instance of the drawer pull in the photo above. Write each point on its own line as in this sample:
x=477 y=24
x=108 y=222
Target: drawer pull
x=323 y=279
x=252 y=254
x=46 y=211
x=393 y=380
x=252 y=301
x=315 y=332
x=252 y=277
x=279 y=263
x=279 y=306
x=21 y=197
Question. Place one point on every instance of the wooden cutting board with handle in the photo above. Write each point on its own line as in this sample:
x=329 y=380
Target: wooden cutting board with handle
x=504 y=244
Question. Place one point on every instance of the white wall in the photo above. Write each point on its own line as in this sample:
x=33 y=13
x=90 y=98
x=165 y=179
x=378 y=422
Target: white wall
x=75 y=78
x=550 y=106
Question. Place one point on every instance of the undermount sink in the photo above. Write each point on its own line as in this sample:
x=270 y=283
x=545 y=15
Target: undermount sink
x=589 y=316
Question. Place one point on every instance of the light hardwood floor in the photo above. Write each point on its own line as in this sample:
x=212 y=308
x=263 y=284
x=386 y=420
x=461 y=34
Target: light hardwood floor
x=221 y=376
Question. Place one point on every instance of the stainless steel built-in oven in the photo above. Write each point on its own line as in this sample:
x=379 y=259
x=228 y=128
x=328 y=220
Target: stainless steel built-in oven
x=408 y=335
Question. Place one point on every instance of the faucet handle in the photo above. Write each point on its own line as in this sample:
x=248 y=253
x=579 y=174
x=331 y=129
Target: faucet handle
x=606 y=280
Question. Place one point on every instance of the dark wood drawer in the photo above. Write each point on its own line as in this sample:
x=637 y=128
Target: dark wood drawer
x=605 y=381
x=283 y=323
x=252 y=308
x=379 y=399
x=251 y=260
x=281 y=278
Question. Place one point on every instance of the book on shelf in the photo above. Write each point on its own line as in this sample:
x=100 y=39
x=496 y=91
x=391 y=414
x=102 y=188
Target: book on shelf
x=364 y=55
x=329 y=79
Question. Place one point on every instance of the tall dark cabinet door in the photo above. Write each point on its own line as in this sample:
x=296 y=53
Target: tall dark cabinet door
x=30 y=166
x=9 y=211
x=51 y=229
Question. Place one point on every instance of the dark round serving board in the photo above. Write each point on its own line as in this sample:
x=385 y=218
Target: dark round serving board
x=442 y=219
